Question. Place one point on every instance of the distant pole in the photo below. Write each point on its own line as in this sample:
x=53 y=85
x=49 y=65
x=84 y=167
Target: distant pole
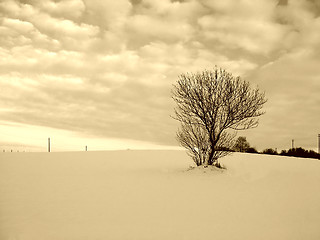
x=292 y=143
x=49 y=145
x=86 y=148
x=319 y=143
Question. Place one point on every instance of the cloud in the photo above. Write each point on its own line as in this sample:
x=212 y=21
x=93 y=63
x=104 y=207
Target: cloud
x=291 y=80
x=118 y=113
x=243 y=34
x=71 y=35
x=18 y=33
x=292 y=89
x=148 y=28
x=20 y=27
x=67 y=9
x=108 y=14
x=105 y=68
x=36 y=25
x=17 y=9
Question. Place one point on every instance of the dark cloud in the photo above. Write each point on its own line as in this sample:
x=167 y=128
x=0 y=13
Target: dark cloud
x=283 y=2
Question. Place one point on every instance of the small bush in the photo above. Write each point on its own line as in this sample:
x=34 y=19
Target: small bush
x=270 y=151
x=251 y=150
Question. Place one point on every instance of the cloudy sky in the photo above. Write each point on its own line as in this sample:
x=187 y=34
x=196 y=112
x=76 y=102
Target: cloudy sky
x=99 y=73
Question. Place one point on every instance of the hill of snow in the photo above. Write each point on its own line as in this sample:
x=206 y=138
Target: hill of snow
x=128 y=195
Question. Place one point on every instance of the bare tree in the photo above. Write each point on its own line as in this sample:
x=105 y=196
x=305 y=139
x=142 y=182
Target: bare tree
x=211 y=106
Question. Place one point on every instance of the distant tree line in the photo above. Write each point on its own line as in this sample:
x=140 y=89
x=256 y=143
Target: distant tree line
x=242 y=145
x=300 y=152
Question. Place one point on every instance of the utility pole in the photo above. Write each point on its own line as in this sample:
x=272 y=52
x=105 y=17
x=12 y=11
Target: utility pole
x=49 y=145
x=292 y=143
x=319 y=143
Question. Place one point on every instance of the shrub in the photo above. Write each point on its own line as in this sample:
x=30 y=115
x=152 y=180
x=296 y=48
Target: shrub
x=251 y=150
x=270 y=151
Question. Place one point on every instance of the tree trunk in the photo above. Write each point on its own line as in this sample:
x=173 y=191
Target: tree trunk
x=210 y=158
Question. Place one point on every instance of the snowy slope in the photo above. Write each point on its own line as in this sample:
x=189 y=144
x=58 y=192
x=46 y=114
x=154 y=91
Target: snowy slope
x=151 y=195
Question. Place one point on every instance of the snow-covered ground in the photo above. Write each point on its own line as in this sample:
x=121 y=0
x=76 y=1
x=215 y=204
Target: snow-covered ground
x=146 y=195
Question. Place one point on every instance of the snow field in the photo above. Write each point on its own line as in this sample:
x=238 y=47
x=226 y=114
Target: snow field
x=151 y=195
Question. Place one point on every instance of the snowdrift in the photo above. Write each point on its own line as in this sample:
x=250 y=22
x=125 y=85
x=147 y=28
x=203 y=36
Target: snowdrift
x=155 y=195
